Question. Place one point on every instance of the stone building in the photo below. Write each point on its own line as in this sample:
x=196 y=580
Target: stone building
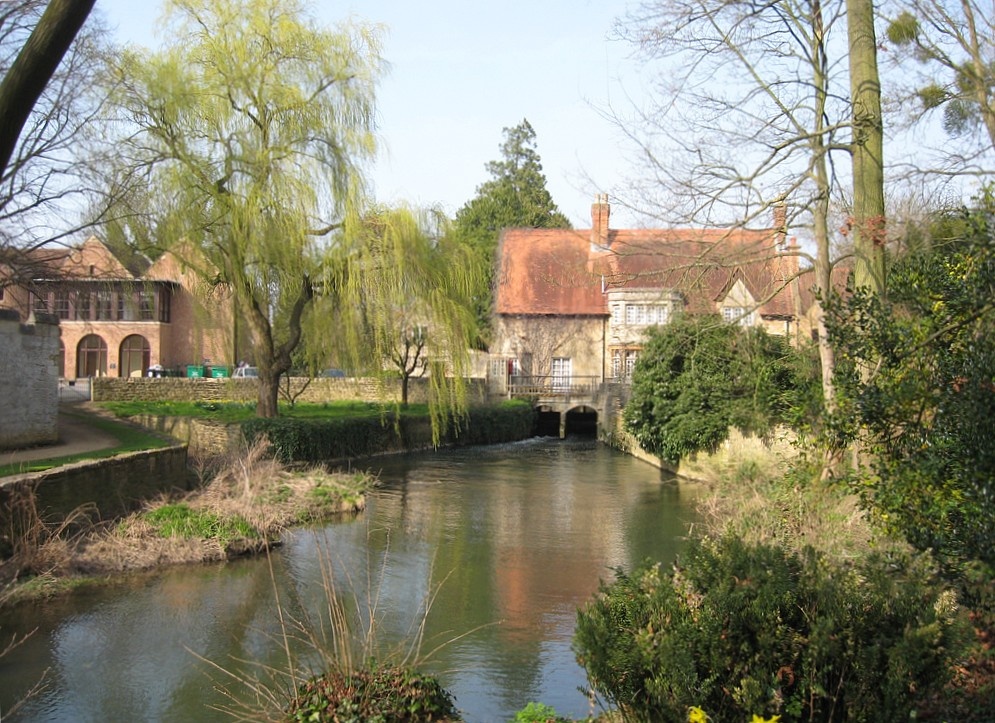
x=574 y=305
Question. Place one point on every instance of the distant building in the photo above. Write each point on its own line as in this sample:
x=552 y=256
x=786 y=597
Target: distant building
x=120 y=322
x=576 y=304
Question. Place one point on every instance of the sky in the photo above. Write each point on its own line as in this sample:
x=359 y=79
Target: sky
x=463 y=71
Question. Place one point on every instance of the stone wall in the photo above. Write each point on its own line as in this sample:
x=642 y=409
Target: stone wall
x=112 y=486
x=317 y=391
x=29 y=380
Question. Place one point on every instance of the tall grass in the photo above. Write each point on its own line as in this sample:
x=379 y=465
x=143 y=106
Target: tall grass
x=333 y=652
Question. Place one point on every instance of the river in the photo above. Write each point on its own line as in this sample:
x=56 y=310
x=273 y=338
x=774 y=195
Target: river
x=473 y=561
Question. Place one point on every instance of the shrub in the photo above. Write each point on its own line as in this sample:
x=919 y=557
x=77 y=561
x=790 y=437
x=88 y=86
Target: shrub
x=506 y=422
x=382 y=694
x=698 y=376
x=315 y=440
x=741 y=630
x=538 y=713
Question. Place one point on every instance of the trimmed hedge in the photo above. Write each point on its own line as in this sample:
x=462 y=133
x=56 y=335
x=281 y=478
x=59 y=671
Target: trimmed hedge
x=318 y=440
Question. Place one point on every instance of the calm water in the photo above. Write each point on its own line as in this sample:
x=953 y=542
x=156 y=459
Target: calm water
x=499 y=544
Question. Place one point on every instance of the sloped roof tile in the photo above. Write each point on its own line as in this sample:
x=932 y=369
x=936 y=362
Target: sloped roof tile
x=558 y=271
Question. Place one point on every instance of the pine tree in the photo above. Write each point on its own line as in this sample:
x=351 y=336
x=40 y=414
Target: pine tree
x=514 y=197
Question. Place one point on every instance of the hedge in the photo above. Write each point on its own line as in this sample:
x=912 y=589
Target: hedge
x=318 y=440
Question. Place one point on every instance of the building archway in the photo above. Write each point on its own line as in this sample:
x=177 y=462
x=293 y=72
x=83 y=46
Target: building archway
x=91 y=357
x=582 y=421
x=134 y=356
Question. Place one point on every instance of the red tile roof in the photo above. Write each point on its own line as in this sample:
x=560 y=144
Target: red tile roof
x=559 y=271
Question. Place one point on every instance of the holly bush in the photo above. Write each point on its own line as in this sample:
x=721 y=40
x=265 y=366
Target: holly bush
x=740 y=630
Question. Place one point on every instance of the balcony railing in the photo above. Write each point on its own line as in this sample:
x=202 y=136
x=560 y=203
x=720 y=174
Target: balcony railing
x=546 y=387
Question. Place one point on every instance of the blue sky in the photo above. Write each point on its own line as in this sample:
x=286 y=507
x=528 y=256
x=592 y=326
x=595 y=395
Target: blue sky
x=462 y=71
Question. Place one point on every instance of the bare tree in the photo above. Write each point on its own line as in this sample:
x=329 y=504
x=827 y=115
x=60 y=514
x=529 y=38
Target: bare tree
x=752 y=110
x=48 y=65
x=946 y=50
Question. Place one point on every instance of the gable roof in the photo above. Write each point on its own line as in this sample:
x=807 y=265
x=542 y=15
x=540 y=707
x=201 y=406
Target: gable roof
x=93 y=260
x=562 y=272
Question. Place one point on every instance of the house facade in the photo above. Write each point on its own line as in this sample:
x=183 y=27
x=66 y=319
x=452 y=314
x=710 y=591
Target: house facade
x=115 y=322
x=573 y=306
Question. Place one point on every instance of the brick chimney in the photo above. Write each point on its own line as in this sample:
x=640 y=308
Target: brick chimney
x=780 y=226
x=600 y=211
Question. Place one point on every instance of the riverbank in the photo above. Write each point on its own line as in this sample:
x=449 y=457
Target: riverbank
x=243 y=510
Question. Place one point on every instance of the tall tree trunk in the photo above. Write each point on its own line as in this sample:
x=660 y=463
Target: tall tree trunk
x=269 y=392
x=820 y=210
x=868 y=142
x=34 y=66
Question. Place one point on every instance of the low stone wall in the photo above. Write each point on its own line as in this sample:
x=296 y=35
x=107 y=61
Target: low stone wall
x=731 y=454
x=113 y=486
x=204 y=438
x=316 y=391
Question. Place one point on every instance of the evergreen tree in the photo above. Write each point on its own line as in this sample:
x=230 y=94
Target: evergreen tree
x=514 y=197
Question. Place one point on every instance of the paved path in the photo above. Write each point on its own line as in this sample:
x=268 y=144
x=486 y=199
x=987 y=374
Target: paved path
x=76 y=436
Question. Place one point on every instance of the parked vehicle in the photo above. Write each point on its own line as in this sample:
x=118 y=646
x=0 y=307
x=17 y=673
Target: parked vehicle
x=245 y=372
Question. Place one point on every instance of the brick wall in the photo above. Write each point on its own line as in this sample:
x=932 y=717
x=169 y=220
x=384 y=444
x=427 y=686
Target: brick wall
x=317 y=391
x=29 y=380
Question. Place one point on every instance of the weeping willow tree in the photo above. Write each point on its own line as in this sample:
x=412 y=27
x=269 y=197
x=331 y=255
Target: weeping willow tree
x=400 y=304
x=251 y=127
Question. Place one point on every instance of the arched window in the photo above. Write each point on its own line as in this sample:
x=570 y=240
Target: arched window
x=134 y=358
x=91 y=357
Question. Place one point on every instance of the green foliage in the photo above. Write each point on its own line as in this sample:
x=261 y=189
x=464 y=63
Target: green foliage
x=180 y=520
x=698 y=376
x=129 y=439
x=303 y=439
x=404 y=301
x=252 y=126
x=514 y=197
x=508 y=421
x=315 y=440
x=375 y=694
x=917 y=385
x=904 y=29
x=538 y=713
x=743 y=630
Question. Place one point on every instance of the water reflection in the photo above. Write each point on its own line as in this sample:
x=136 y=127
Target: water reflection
x=481 y=554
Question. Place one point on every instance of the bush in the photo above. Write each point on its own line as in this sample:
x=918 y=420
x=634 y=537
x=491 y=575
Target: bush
x=316 y=440
x=506 y=422
x=538 y=713
x=698 y=376
x=382 y=694
x=742 y=630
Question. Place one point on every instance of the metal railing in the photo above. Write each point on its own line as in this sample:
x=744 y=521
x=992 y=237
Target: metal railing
x=547 y=387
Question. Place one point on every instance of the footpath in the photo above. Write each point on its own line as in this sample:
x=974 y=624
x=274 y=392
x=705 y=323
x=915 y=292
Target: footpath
x=76 y=436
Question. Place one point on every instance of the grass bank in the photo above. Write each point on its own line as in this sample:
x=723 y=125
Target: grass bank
x=129 y=438
x=243 y=510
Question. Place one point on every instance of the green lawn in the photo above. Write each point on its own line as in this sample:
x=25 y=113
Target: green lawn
x=239 y=412
x=129 y=437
